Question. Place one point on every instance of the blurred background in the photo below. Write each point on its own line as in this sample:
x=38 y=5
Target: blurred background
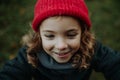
x=16 y=16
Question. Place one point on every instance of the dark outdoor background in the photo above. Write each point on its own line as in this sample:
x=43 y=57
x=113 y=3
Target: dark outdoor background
x=16 y=15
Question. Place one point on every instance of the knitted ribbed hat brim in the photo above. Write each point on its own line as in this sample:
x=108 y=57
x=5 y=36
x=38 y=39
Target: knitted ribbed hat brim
x=75 y=8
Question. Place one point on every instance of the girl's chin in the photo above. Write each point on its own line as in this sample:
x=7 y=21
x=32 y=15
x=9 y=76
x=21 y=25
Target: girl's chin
x=62 y=61
x=62 y=58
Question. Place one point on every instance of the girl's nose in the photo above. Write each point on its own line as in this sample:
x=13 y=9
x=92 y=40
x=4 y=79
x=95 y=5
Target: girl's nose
x=61 y=44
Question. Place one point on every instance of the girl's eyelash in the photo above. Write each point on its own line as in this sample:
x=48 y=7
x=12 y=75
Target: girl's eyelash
x=49 y=36
x=72 y=34
x=69 y=35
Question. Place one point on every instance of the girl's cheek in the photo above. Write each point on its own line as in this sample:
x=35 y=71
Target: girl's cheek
x=74 y=41
x=47 y=44
x=75 y=44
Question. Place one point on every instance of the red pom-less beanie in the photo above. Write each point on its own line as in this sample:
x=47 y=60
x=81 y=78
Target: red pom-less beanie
x=47 y=8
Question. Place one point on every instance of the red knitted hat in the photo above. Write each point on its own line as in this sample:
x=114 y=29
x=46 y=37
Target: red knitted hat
x=47 y=8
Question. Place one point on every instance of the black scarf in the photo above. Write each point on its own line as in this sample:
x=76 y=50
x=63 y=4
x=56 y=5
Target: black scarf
x=54 y=70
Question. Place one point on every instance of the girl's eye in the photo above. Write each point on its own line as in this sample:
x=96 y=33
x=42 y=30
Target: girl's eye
x=71 y=35
x=49 y=36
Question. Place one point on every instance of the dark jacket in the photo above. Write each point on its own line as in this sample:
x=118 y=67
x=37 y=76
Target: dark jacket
x=105 y=60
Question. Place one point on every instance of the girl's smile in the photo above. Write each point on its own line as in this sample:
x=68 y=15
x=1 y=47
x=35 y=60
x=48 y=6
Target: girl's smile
x=60 y=37
x=62 y=54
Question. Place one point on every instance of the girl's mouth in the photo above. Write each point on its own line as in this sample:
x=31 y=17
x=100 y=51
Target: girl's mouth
x=63 y=55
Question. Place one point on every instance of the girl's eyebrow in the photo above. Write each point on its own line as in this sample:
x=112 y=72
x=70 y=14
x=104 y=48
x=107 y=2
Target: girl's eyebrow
x=48 y=31
x=71 y=30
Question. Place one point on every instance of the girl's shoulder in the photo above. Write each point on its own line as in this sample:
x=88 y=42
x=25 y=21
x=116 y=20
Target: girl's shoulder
x=103 y=50
x=17 y=68
x=106 y=60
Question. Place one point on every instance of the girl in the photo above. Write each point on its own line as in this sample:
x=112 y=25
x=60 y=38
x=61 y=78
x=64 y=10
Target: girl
x=62 y=46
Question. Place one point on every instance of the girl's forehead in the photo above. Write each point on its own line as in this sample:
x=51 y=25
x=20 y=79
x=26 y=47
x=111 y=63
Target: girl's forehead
x=62 y=23
x=60 y=19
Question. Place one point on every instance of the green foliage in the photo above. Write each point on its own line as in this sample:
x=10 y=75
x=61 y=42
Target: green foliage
x=106 y=21
x=14 y=22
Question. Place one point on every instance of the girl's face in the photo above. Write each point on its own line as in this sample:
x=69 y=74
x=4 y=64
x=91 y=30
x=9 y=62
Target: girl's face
x=60 y=37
